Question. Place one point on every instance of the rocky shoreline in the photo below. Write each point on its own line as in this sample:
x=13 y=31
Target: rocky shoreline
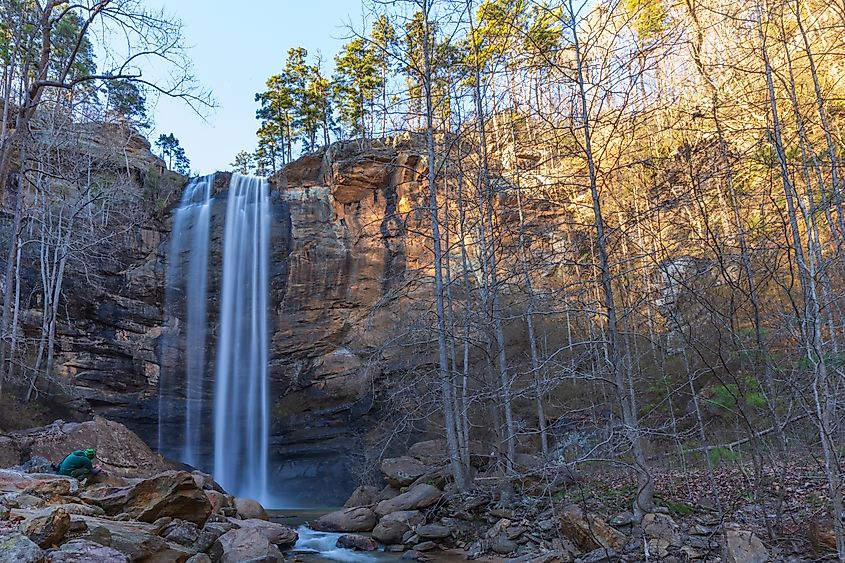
x=147 y=509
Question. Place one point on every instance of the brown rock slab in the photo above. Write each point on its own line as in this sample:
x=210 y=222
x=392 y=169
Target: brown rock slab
x=418 y=496
x=84 y=551
x=357 y=542
x=249 y=508
x=433 y=531
x=402 y=471
x=276 y=534
x=587 y=530
x=392 y=527
x=244 y=544
x=744 y=546
x=365 y=495
x=173 y=493
x=359 y=519
x=47 y=527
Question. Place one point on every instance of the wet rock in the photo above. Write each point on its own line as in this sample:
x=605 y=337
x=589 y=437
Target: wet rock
x=365 y=495
x=17 y=548
x=84 y=551
x=248 y=508
x=181 y=532
x=419 y=496
x=356 y=542
x=392 y=527
x=277 y=534
x=587 y=530
x=173 y=493
x=402 y=471
x=244 y=544
x=432 y=531
x=199 y=558
x=745 y=547
x=47 y=527
x=359 y=519
x=413 y=555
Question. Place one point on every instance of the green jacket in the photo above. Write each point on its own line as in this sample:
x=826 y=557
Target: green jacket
x=75 y=461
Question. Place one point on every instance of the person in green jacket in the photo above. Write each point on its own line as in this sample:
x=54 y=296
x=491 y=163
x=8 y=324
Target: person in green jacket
x=78 y=464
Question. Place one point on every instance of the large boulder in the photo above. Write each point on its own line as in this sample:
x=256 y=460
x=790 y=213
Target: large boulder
x=744 y=546
x=84 y=551
x=587 y=530
x=358 y=519
x=181 y=532
x=249 y=508
x=357 y=542
x=435 y=452
x=47 y=527
x=277 y=534
x=173 y=493
x=119 y=450
x=393 y=526
x=365 y=495
x=17 y=548
x=402 y=471
x=209 y=534
x=138 y=540
x=417 y=497
x=37 y=483
x=244 y=544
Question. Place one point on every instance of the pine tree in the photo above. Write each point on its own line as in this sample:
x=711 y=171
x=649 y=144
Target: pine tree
x=174 y=153
x=355 y=86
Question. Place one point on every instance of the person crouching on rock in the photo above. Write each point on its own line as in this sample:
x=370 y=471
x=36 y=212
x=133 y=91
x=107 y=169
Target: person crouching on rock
x=78 y=464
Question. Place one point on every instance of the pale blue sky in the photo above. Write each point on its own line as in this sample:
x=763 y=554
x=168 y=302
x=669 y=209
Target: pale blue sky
x=236 y=45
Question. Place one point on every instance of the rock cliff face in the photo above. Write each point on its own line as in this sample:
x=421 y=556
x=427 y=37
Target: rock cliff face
x=341 y=261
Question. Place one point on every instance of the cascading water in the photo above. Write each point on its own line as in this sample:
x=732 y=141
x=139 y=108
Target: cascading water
x=241 y=409
x=240 y=404
x=187 y=276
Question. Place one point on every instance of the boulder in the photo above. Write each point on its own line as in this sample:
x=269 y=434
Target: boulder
x=47 y=527
x=249 y=508
x=418 y=496
x=137 y=540
x=82 y=509
x=393 y=526
x=402 y=471
x=365 y=495
x=41 y=484
x=199 y=558
x=17 y=548
x=244 y=544
x=433 y=531
x=357 y=542
x=277 y=534
x=84 y=551
x=173 y=493
x=209 y=534
x=181 y=532
x=359 y=519
x=22 y=500
x=744 y=546
x=120 y=451
x=587 y=530
x=219 y=501
x=434 y=452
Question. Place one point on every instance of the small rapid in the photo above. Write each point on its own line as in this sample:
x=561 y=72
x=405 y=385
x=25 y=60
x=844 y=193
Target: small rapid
x=324 y=544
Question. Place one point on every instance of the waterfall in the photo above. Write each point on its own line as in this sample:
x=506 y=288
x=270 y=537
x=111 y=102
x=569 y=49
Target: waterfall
x=241 y=408
x=191 y=222
x=239 y=405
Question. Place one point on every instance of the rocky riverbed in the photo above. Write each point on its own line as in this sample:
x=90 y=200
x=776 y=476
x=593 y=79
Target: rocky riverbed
x=147 y=509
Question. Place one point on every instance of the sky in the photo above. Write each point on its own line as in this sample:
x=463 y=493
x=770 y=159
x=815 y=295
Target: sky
x=235 y=47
